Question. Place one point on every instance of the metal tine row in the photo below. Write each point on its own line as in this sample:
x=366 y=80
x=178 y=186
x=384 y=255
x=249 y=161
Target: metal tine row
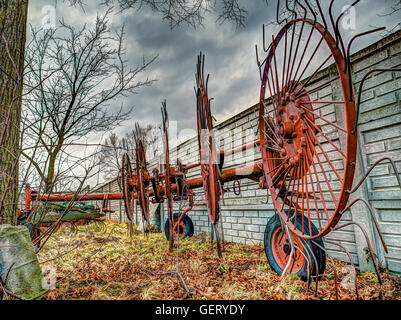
x=310 y=252
x=365 y=234
x=348 y=55
x=309 y=255
x=294 y=15
x=370 y=208
x=310 y=10
x=339 y=39
x=397 y=174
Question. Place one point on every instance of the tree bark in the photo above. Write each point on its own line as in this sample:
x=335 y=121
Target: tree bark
x=13 y=20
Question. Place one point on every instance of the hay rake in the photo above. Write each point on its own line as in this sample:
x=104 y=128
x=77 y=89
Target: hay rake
x=307 y=160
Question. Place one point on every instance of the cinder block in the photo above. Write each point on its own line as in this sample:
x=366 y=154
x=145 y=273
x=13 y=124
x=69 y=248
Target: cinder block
x=231 y=232
x=232 y=219
x=259 y=221
x=245 y=234
x=265 y=214
x=238 y=226
x=374 y=147
x=257 y=236
x=254 y=228
x=239 y=240
x=228 y=238
x=227 y=225
x=394 y=144
x=236 y=213
x=244 y=220
x=251 y=214
x=370 y=61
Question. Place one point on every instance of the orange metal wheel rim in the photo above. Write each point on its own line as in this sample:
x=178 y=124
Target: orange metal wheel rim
x=281 y=250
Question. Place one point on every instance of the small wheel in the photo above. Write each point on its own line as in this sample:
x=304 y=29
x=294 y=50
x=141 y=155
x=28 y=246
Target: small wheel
x=186 y=227
x=278 y=249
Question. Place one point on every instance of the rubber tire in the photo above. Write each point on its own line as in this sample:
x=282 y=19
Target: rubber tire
x=274 y=223
x=189 y=226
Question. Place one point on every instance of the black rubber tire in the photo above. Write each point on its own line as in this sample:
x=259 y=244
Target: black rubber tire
x=274 y=223
x=189 y=226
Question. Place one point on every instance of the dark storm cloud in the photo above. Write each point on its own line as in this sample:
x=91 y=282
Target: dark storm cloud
x=230 y=57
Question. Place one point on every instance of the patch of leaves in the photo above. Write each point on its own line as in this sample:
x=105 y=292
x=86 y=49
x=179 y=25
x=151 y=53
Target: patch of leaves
x=112 y=265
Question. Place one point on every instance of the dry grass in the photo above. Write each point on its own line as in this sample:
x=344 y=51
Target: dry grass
x=110 y=265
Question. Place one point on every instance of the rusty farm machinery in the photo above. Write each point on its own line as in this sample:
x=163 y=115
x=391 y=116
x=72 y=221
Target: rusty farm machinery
x=307 y=160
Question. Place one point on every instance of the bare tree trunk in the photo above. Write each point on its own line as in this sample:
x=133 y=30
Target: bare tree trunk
x=13 y=19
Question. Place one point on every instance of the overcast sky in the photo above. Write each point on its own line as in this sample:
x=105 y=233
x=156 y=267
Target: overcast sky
x=230 y=55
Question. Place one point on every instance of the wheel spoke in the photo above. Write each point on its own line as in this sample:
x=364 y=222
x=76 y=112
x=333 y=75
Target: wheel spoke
x=324 y=119
x=324 y=173
x=310 y=124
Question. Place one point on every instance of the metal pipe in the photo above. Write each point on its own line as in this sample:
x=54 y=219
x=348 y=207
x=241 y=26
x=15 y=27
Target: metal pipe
x=252 y=170
x=241 y=148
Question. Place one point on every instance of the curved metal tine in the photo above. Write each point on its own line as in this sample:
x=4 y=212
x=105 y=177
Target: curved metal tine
x=306 y=245
x=264 y=38
x=258 y=63
x=309 y=264
x=334 y=266
x=397 y=174
x=338 y=34
x=206 y=86
x=277 y=14
x=360 y=91
x=198 y=68
x=165 y=114
x=203 y=69
x=373 y=217
x=309 y=268
x=322 y=15
x=333 y=25
x=312 y=11
x=223 y=242
x=303 y=9
x=264 y=43
x=292 y=249
x=352 y=264
x=218 y=243
x=295 y=15
x=368 y=243
x=356 y=37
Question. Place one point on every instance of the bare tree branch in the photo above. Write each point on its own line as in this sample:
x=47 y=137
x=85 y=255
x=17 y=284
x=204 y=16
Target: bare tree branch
x=73 y=77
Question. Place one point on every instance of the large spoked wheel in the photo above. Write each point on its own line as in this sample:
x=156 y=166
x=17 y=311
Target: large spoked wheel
x=308 y=159
x=278 y=251
x=185 y=228
x=142 y=183
x=208 y=155
x=127 y=186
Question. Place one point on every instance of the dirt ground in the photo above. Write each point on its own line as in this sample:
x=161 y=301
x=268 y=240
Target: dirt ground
x=105 y=263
